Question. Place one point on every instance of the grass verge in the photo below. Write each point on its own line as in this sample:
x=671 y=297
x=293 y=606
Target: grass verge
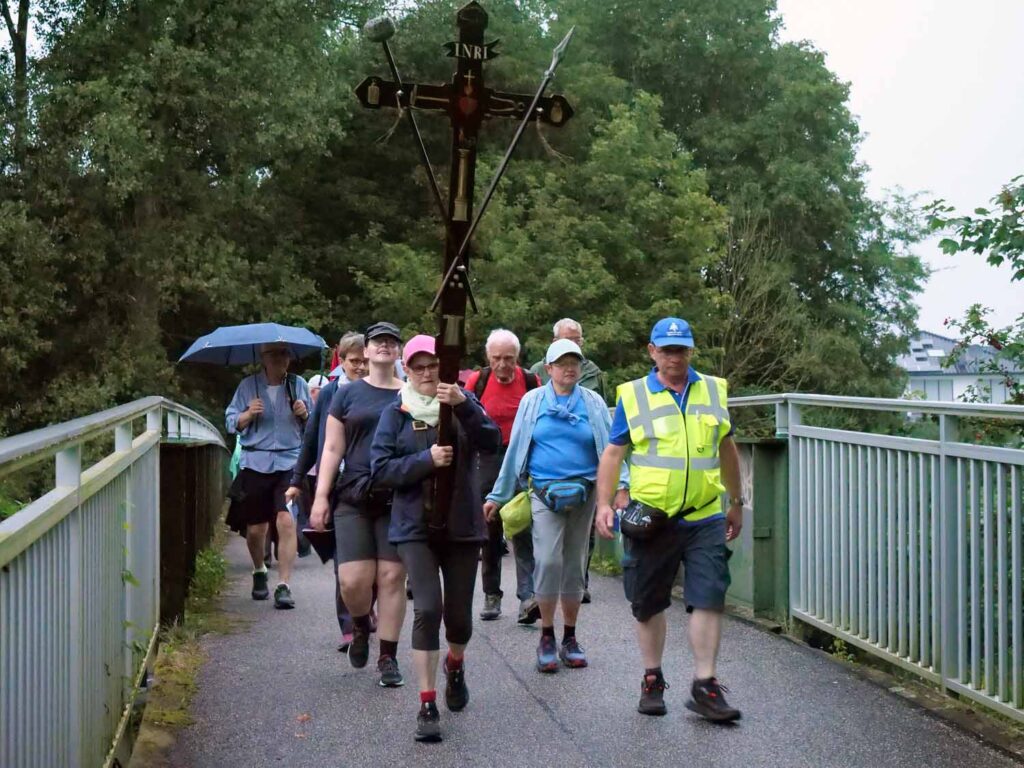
x=168 y=704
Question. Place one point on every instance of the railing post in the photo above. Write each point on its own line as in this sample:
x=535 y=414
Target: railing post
x=68 y=467
x=123 y=437
x=154 y=420
x=949 y=503
x=793 y=419
x=782 y=418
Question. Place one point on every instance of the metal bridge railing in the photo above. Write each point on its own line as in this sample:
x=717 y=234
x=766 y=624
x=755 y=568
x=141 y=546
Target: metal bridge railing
x=910 y=549
x=79 y=583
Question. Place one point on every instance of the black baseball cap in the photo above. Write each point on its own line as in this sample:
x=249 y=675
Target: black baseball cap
x=382 y=329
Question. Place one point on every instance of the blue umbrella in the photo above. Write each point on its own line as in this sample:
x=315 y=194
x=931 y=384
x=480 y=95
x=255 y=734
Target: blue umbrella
x=240 y=344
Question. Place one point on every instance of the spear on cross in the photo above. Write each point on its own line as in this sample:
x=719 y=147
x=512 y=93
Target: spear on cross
x=467 y=102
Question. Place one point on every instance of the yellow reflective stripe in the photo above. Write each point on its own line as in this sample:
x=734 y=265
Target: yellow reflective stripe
x=657 y=462
x=704 y=464
x=646 y=415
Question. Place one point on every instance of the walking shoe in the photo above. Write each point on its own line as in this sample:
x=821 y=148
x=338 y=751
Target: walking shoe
x=492 y=608
x=652 y=695
x=529 y=611
x=283 y=597
x=709 y=703
x=346 y=641
x=428 y=722
x=260 y=591
x=390 y=676
x=547 y=655
x=586 y=596
x=359 y=649
x=572 y=654
x=456 y=692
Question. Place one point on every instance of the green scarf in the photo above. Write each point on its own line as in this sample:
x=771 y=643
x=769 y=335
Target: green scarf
x=420 y=407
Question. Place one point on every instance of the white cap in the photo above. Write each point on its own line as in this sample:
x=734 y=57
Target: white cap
x=316 y=381
x=562 y=347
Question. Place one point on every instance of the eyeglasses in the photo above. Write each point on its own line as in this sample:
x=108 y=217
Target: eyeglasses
x=419 y=370
x=357 y=362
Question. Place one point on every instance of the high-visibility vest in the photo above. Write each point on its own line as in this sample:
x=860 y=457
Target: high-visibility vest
x=674 y=463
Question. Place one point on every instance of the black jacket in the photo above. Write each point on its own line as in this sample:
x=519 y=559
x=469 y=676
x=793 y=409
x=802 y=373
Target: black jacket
x=400 y=459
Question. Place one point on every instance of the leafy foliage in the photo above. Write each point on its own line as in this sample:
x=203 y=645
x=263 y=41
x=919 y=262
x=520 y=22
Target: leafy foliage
x=999 y=234
x=184 y=164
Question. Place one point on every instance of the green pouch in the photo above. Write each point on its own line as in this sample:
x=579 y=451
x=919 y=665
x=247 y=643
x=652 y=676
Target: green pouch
x=516 y=516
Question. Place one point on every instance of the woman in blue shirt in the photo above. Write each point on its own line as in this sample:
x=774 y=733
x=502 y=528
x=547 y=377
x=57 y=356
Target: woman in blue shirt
x=558 y=436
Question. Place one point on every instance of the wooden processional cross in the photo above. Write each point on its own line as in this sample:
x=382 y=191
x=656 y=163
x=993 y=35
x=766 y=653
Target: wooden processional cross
x=467 y=102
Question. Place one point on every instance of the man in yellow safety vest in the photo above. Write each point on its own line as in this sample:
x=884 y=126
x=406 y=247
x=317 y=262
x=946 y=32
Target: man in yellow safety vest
x=673 y=427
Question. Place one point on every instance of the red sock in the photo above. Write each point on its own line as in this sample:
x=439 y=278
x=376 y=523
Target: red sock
x=428 y=696
x=452 y=663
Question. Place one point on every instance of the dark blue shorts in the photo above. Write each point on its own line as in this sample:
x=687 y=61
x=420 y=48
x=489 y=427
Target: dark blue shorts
x=650 y=566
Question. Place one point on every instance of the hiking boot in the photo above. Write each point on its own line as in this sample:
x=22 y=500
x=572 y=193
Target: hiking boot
x=428 y=723
x=709 y=702
x=652 y=695
x=547 y=655
x=346 y=641
x=283 y=597
x=529 y=611
x=260 y=590
x=359 y=648
x=572 y=654
x=390 y=675
x=492 y=608
x=586 y=597
x=456 y=693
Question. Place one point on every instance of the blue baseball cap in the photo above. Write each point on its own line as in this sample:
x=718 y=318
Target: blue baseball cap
x=672 y=332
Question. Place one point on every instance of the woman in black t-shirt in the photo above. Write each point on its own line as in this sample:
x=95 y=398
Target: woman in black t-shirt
x=362 y=513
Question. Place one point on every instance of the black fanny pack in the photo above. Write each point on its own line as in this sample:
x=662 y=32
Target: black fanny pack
x=639 y=521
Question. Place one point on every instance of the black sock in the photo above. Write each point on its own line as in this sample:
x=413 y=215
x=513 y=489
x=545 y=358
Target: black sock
x=547 y=631
x=389 y=648
x=653 y=672
x=362 y=623
x=568 y=632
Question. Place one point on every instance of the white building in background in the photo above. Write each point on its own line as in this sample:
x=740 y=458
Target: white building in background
x=928 y=377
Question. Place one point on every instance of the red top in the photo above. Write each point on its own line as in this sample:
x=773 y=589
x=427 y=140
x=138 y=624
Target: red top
x=501 y=401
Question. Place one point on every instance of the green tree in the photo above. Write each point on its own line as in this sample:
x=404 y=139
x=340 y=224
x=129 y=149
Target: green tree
x=998 y=234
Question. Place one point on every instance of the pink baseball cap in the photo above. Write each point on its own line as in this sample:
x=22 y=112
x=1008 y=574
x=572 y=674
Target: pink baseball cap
x=415 y=345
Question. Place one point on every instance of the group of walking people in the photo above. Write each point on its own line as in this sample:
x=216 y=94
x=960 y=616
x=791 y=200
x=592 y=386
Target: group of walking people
x=661 y=464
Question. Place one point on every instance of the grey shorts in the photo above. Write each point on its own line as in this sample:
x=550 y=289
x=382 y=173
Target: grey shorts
x=360 y=536
x=650 y=566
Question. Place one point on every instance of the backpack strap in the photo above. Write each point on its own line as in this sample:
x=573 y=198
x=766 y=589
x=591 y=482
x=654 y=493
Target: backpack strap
x=481 y=382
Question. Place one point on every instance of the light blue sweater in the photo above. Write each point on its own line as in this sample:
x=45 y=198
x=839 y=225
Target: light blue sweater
x=513 y=476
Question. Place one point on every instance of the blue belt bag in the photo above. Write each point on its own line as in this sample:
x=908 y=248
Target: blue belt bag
x=564 y=495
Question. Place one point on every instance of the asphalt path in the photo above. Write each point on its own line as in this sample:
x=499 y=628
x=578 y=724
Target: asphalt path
x=280 y=694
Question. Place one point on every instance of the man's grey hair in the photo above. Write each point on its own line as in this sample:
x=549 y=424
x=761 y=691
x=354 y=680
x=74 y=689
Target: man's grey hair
x=502 y=336
x=568 y=324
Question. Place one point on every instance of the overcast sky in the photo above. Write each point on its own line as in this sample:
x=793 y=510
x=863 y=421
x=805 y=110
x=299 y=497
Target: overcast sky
x=938 y=89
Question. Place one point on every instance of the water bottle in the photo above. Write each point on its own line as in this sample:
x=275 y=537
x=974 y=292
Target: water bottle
x=293 y=509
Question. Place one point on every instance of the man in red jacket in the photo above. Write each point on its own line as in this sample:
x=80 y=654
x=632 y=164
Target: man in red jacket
x=500 y=386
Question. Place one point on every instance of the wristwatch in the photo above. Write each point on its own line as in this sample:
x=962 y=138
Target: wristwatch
x=737 y=501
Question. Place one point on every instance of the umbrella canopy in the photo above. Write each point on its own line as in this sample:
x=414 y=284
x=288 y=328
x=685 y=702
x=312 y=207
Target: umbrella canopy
x=240 y=344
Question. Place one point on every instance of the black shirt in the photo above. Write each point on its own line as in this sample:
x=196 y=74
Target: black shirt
x=358 y=406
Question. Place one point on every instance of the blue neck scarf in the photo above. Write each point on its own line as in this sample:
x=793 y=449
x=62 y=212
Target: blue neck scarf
x=559 y=410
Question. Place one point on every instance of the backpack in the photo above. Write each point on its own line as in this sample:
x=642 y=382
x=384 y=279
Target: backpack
x=532 y=381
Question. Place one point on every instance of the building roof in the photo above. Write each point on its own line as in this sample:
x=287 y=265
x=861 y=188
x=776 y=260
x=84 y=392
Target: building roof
x=928 y=353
